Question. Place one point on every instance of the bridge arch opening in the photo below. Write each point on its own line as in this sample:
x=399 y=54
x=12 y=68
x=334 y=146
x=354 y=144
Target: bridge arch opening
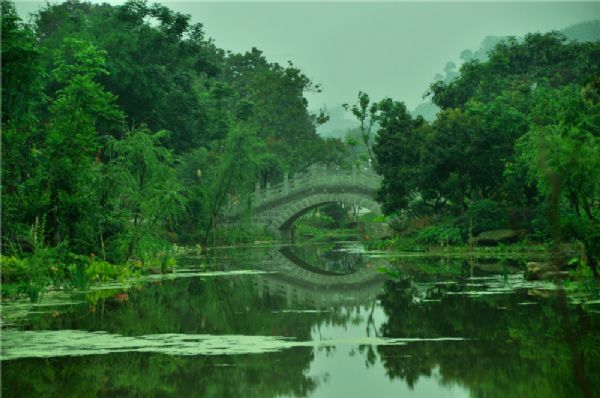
x=284 y=221
x=290 y=222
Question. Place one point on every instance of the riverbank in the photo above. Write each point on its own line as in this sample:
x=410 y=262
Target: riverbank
x=538 y=259
x=49 y=270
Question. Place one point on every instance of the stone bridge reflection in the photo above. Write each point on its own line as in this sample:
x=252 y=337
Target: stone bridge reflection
x=304 y=284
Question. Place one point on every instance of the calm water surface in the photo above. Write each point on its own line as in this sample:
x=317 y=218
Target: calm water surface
x=315 y=321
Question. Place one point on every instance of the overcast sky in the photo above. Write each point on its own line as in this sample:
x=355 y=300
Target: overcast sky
x=386 y=49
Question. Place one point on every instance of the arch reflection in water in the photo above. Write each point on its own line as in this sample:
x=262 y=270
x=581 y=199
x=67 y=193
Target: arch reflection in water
x=465 y=333
x=352 y=279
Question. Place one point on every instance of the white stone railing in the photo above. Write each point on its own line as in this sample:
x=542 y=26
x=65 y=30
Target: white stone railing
x=317 y=176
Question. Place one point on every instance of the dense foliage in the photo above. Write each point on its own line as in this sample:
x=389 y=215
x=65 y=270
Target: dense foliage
x=125 y=124
x=125 y=129
x=516 y=143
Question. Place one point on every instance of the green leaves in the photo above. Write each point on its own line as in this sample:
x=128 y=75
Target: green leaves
x=367 y=114
x=144 y=181
x=396 y=154
x=559 y=143
x=520 y=129
x=79 y=58
x=536 y=59
x=21 y=70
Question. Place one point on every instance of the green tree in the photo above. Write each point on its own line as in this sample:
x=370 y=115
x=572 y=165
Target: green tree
x=82 y=112
x=271 y=96
x=21 y=71
x=396 y=151
x=23 y=197
x=234 y=175
x=156 y=69
x=151 y=199
x=366 y=113
x=561 y=153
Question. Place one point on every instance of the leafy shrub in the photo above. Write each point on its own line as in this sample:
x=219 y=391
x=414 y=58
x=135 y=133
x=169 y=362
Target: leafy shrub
x=321 y=220
x=397 y=224
x=407 y=244
x=379 y=218
x=592 y=244
x=482 y=215
x=410 y=225
x=520 y=218
x=13 y=269
x=163 y=260
x=587 y=232
x=241 y=234
x=33 y=275
x=101 y=271
x=540 y=227
x=442 y=235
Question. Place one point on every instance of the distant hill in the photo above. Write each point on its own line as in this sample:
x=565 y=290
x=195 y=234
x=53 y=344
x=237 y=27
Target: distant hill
x=582 y=32
x=341 y=122
x=585 y=31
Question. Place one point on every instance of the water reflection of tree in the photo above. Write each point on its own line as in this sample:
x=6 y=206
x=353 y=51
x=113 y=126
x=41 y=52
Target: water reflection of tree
x=226 y=305
x=514 y=350
x=154 y=375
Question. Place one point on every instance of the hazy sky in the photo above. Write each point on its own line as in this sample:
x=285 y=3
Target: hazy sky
x=386 y=48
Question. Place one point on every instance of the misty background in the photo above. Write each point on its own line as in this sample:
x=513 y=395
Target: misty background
x=387 y=49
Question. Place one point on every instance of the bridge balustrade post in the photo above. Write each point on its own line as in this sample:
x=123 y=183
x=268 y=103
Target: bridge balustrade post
x=268 y=190
x=286 y=184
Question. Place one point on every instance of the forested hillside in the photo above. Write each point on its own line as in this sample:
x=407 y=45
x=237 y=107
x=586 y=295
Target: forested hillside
x=125 y=124
x=125 y=129
x=516 y=144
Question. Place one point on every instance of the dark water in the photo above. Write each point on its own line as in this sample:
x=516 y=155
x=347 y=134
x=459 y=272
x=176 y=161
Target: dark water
x=318 y=321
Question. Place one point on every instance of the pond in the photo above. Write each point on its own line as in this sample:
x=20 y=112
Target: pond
x=323 y=320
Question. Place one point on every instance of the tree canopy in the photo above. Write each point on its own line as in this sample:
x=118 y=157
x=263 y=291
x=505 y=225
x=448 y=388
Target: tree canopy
x=121 y=122
x=516 y=130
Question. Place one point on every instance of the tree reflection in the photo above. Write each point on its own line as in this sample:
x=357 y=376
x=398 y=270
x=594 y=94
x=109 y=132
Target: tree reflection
x=518 y=343
x=329 y=258
x=154 y=375
x=513 y=350
x=225 y=305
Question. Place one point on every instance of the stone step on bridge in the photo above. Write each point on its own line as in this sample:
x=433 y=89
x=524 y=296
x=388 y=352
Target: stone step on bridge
x=276 y=207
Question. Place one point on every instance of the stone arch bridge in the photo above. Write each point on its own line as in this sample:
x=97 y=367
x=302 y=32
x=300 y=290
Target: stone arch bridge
x=277 y=207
